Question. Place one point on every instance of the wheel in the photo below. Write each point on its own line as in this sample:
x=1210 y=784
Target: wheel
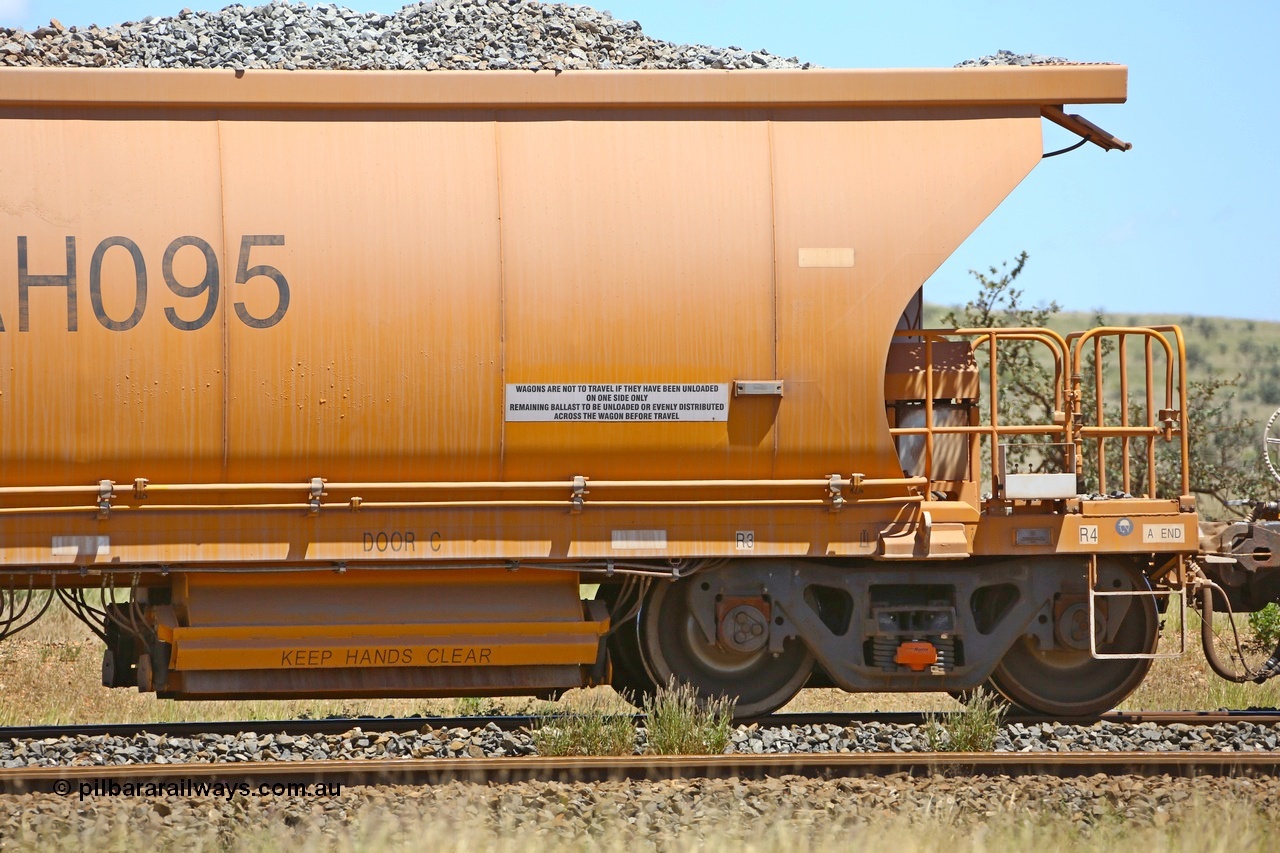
x=628 y=675
x=672 y=644
x=1066 y=681
x=1270 y=443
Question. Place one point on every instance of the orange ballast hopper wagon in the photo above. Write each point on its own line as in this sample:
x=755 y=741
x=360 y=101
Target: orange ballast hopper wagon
x=265 y=332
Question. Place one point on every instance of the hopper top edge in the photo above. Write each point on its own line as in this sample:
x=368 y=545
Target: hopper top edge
x=1043 y=85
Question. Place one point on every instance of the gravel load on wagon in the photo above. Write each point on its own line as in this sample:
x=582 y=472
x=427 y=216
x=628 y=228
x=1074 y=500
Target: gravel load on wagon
x=447 y=34
x=1008 y=57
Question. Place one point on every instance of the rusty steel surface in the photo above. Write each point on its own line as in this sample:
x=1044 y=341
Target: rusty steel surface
x=498 y=770
x=306 y=277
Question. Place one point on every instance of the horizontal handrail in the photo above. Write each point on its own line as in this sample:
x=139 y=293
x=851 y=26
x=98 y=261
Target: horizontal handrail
x=839 y=492
x=855 y=481
x=1118 y=431
x=499 y=504
x=1006 y=429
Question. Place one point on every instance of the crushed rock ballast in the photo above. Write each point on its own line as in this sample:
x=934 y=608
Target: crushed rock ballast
x=448 y=34
x=465 y=35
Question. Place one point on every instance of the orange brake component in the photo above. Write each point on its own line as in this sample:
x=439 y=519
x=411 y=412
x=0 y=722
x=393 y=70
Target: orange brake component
x=916 y=655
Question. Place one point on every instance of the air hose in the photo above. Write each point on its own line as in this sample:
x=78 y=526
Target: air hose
x=1268 y=670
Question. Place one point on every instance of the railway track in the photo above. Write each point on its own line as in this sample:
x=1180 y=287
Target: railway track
x=515 y=722
x=91 y=781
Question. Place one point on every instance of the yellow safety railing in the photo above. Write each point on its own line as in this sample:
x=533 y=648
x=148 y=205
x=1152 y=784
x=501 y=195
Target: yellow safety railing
x=1068 y=426
x=1166 y=423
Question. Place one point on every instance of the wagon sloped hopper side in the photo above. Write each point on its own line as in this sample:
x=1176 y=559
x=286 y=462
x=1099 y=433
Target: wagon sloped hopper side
x=336 y=384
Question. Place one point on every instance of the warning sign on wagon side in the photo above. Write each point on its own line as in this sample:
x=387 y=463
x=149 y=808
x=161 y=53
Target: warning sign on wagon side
x=683 y=403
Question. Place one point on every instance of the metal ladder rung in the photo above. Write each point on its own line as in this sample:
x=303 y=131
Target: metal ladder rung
x=1094 y=595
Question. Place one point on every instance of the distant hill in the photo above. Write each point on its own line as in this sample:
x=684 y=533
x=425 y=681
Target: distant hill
x=1217 y=347
x=1243 y=351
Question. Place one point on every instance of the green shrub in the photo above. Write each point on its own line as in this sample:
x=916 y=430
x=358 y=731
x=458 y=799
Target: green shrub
x=473 y=706
x=972 y=730
x=594 y=727
x=1266 y=625
x=681 y=722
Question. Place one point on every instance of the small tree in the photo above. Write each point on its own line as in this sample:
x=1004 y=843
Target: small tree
x=1024 y=376
x=1225 y=463
x=1026 y=384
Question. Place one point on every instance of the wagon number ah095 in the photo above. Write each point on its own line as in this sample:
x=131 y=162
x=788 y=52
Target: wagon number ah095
x=208 y=287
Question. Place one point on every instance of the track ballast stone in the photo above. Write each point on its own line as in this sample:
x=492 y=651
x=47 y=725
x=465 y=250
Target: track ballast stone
x=493 y=742
x=447 y=34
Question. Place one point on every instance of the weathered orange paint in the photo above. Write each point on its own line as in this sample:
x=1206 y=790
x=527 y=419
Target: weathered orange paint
x=446 y=234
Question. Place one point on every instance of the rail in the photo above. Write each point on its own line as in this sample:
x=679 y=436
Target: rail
x=65 y=779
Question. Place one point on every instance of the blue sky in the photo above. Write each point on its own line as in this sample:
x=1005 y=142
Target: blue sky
x=1184 y=223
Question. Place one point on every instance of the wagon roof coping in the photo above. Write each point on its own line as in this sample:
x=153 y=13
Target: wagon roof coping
x=998 y=86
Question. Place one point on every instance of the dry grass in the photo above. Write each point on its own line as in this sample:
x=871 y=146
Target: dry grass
x=1233 y=826
x=1187 y=683
x=1215 y=828
x=680 y=722
x=600 y=723
x=819 y=699
x=973 y=729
